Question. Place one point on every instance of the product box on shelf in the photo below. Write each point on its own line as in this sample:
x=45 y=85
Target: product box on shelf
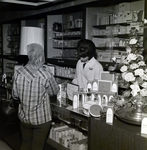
x=127 y=16
x=124 y=7
x=66 y=135
x=78 y=23
x=104 y=56
x=115 y=18
x=79 y=145
x=66 y=141
x=137 y=5
x=120 y=17
x=57 y=129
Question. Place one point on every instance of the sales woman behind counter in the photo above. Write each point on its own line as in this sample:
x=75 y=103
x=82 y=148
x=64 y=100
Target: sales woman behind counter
x=87 y=68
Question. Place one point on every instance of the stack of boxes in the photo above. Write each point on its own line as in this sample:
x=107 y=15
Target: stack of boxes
x=125 y=13
x=74 y=22
x=118 y=25
x=68 y=137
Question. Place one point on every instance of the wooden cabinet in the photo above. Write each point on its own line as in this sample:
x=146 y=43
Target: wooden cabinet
x=119 y=136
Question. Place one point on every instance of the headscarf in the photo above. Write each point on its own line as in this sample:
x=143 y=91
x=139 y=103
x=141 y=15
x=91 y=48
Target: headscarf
x=35 y=56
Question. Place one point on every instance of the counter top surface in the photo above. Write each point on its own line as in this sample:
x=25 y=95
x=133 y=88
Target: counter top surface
x=70 y=108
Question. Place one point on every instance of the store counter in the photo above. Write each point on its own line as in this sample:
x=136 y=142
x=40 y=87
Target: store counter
x=119 y=136
x=70 y=116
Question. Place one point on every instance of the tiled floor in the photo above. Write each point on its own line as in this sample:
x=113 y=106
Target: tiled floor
x=4 y=146
x=9 y=133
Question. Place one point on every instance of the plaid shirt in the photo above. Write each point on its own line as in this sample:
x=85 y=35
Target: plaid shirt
x=33 y=91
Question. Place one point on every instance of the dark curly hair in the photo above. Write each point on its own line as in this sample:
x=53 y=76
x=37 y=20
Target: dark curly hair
x=86 y=48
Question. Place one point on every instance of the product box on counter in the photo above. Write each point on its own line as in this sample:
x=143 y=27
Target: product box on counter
x=104 y=86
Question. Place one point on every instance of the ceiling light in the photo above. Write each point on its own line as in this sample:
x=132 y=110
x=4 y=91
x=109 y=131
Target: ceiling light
x=23 y=2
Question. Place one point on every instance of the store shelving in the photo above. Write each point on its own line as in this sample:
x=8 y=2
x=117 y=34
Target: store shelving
x=64 y=32
x=109 y=27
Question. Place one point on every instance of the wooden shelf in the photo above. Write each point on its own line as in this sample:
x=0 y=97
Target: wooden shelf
x=62 y=62
x=56 y=145
x=104 y=26
x=63 y=77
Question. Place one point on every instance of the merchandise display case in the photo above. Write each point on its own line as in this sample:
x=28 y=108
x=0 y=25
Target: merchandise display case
x=70 y=129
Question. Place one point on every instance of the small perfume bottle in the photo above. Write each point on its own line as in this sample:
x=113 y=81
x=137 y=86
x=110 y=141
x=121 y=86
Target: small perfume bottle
x=4 y=80
x=115 y=84
x=88 y=97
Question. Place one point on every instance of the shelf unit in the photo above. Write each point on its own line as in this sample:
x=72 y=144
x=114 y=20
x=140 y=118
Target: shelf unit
x=108 y=27
x=10 y=48
x=63 y=33
x=11 y=39
x=10 y=42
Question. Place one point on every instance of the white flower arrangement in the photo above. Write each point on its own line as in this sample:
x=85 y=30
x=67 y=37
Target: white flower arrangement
x=134 y=70
x=134 y=73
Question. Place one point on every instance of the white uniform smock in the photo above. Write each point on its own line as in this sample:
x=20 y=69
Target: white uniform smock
x=90 y=72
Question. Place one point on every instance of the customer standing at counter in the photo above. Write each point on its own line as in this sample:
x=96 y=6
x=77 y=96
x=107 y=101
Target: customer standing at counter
x=33 y=85
x=87 y=68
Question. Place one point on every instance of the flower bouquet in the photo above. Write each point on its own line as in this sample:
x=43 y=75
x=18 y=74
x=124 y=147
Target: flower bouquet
x=134 y=74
